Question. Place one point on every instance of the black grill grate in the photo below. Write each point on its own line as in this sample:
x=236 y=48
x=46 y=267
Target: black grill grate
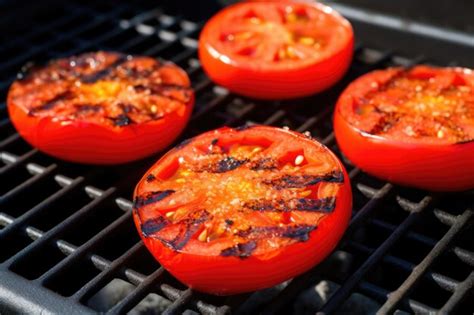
x=66 y=230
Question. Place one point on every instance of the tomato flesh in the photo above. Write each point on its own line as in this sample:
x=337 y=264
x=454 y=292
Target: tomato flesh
x=276 y=37
x=412 y=126
x=106 y=91
x=234 y=194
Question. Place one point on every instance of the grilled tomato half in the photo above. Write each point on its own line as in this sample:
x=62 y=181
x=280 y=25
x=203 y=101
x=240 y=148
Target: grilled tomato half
x=236 y=210
x=414 y=127
x=101 y=107
x=276 y=49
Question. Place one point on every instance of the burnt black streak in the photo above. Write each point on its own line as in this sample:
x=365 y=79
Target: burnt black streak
x=165 y=89
x=127 y=108
x=242 y=250
x=214 y=141
x=301 y=181
x=94 y=77
x=51 y=103
x=300 y=204
x=88 y=108
x=229 y=222
x=150 y=177
x=191 y=226
x=228 y=164
x=121 y=120
x=151 y=197
x=264 y=164
x=153 y=225
x=296 y=232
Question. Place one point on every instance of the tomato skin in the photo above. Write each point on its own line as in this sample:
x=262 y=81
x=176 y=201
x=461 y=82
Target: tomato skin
x=232 y=275
x=425 y=165
x=266 y=83
x=92 y=143
x=95 y=137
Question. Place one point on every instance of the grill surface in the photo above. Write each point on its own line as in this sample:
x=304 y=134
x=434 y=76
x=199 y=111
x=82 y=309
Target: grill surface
x=66 y=230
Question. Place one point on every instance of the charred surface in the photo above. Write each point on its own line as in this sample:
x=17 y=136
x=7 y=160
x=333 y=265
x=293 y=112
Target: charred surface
x=151 y=197
x=153 y=225
x=264 y=164
x=242 y=250
x=301 y=181
x=296 y=232
x=301 y=204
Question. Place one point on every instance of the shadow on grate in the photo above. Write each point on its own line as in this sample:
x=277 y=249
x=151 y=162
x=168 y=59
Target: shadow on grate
x=404 y=250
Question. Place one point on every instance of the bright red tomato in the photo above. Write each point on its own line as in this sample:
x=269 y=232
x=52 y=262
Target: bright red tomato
x=101 y=108
x=276 y=49
x=236 y=210
x=414 y=127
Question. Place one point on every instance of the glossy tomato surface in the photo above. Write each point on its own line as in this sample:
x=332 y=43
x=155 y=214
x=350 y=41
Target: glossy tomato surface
x=276 y=49
x=236 y=210
x=102 y=107
x=414 y=127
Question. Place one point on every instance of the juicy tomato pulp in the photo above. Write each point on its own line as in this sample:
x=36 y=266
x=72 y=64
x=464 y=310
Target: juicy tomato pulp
x=101 y=107
x=411 y=126
x=276 y=49
x=238 y=210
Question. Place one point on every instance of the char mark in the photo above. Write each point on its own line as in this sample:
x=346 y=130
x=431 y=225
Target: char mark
x=297 y=204
x=182 y=93
x=96 y=76
x=189 y=227
x=241 y=250
x=51 y=103
x=88 y=108
x=214 y=141
x=121 y=120
x=229 y=222
x=301 y=181
x=150 y=178
x=264 y=164
x=299 y=233
x=152 y=226
x=385 y=123
x=225 y=165
x=151 y=197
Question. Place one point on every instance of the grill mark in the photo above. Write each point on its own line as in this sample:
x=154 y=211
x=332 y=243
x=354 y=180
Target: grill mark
x=264 y=164
x=301 y=181
x=51 y=103
x=229 y=222
x=88 y=108
x=325 y=205
x=150 y=178
x=298 y=232
x=241 y=250
x=152 y=226
x=385 y=123
x=121 y=120
x=191 y=226
x=94 y=77
x=225 y=165
x=151 y=197
x=164 y=89
x=214 y=141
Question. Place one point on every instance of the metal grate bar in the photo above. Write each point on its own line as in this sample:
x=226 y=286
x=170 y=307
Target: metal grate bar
x=343 y=292
x=179 y=304
x=409 y=284
x=463 y=289
x=108 y=270
x=81 y=251
x=138 y=293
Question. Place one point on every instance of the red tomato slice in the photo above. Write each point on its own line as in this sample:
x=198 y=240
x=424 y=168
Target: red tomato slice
x=102 y=107
x=236 y=210
x=276 y=49
x=414 y=127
